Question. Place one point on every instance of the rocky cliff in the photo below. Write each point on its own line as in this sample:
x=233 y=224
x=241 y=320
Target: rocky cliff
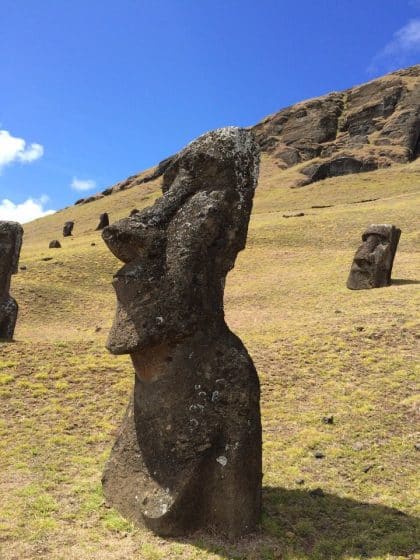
x=360 y=129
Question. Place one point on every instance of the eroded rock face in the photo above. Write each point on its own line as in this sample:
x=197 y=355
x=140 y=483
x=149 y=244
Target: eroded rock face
x=372 y=263
x=188 y=455
x=68 y=229
x=11 y=234
x=103 y=221
x=361 y=129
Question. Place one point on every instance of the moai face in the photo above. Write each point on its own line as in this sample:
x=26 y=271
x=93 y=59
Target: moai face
x=11 y=234
x=372 y=263
x=178 y=251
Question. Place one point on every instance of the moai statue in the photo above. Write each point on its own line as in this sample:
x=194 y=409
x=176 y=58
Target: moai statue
x=11 y=234
x=372 y=263
x=67 y=229
x=188 y=455
x=103 y=221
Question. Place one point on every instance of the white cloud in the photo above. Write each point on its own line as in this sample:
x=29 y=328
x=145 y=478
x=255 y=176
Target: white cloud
x=27 y=211
x=398 y=52
x=83 y=184
x=13 y=149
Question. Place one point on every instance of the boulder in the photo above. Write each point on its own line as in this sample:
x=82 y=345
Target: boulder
x=188 y=455
x=11 y=234
x=54 y=244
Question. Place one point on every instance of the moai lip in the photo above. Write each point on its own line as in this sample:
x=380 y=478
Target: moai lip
x=373 y=261
x=188 y=455
x=11 y=234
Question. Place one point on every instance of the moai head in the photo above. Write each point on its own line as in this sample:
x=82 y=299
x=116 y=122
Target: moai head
x=103 y=221
x=68 y=228
x=372 y=263
x=178 y=251
x=11 y=234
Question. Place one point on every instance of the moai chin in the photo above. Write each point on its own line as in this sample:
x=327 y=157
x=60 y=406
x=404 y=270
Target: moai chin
x=188 y=455
x=11 y=234
x=372 y=263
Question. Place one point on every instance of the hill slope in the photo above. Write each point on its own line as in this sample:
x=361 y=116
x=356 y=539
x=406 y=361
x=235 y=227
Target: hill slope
x=319 y=348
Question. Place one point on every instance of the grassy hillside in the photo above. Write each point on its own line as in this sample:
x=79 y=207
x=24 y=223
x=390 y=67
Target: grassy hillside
x=319 y=348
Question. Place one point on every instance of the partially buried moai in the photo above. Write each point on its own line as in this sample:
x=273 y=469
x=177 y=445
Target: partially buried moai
x=372 y=263
x=188 y=455
x=68 y=229
x=103 y=221
x=11 y=234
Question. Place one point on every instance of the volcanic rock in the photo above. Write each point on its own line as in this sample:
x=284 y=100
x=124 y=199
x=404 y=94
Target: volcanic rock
x=54 y=244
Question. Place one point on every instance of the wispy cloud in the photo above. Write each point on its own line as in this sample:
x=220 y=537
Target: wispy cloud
x=14 y=149
x=83 y=184
x=26 y=211
x=404 y=45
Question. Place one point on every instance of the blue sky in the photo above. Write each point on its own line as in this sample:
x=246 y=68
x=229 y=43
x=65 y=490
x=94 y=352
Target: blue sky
x=95 y=90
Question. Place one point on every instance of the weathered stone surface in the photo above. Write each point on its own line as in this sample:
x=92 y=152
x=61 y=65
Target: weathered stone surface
x=363 y=128
x=188 y=455
x=54 y=244
x=103 y=221
x=11 y=234
x=372 y=264
x=68 y=229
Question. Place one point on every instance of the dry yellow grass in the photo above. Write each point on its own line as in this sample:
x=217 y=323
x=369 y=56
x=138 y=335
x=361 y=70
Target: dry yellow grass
x=319 y=348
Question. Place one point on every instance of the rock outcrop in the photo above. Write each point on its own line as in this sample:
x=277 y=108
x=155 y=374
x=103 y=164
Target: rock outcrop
x=11 y=234
x=373 y=261
x=188 y=455
x=361 y=129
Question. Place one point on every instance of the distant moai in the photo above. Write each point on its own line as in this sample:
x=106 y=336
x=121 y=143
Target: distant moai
x=68 y=229
x=188 y=455
x=372 y=263
x=103 y=221
x=11 y=234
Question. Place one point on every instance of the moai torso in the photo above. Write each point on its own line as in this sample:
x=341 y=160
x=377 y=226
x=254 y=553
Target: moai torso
x=372 y=263
x=188 y=455
x=11 y=234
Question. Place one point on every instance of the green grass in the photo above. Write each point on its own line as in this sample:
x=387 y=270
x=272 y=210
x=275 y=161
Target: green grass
x=319 y=348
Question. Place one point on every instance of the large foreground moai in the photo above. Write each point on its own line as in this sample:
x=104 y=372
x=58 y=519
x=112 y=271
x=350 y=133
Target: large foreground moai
x=372 y=263
x=188 y=455
x=11 y=234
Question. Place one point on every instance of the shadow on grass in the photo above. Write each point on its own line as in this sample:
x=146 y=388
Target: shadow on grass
x=301 y=525
x=403 y=282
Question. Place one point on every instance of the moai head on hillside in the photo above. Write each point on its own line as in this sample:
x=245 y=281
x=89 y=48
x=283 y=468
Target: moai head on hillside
x=188 y=455
x=372 y=263
x=178 y=251
x=11 y=234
